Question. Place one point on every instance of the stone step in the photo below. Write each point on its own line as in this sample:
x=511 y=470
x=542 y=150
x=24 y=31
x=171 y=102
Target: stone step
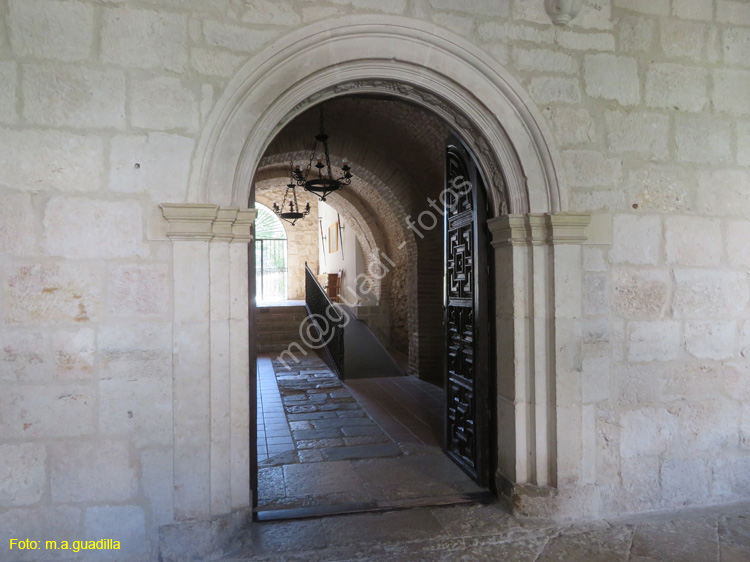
x=281 y=324
x=282 y=512
x=282 y=341
x=287 y=328
x=273 y=329
x=278 y=326
x=264 y=311
x=277 y=345
x=285 y=314
x=284 y=323
x=278 y=331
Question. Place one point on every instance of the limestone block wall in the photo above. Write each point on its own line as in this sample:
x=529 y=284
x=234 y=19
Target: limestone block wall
x=101 y=106
x=653 y=129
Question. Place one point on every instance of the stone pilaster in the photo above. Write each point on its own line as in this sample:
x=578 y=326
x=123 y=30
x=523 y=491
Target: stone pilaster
x=210 y=358
x=538 y=261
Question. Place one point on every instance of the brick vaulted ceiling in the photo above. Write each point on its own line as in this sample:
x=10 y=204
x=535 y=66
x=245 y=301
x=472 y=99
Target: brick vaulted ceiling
x=398 y=142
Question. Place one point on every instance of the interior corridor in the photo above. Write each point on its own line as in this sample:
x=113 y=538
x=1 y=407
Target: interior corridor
x=365 y=445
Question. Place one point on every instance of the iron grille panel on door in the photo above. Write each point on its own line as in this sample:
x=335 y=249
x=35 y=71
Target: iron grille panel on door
x=466 y=432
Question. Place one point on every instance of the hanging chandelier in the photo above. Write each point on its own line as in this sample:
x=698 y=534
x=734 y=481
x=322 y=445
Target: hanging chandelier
x=322 y=182
x=293 y=213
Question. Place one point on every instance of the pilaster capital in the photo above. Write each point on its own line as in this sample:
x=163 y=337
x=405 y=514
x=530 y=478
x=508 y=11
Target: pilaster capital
x=568 y=228
x=539 y=229
x=222 y=227
x=196 y=221
x=241 y=225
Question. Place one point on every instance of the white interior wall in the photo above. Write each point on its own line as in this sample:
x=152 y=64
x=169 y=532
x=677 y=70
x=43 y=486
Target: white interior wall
x=345 y=258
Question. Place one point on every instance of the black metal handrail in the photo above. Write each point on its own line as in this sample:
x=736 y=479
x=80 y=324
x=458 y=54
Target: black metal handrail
x=328 y=320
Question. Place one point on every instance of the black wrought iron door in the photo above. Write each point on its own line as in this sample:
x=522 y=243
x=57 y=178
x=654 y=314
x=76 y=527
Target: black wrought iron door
x=466 y=316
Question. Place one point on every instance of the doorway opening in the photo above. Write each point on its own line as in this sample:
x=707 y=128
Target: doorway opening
x=370 y=441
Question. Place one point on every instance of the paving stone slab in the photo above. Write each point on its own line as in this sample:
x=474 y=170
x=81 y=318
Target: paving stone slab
x=311 y=416
x=425 y=468
x=317 y=433
x=317 y=398
x=610 y=545
x=361 y=451
x=362 y=429
x=390 y=491
x=301 y=409
x=731 y=553
x=320 y=478
x=365 y=440
x=287 y=536
x=287 y=457
x=381 y=527
x=319 y=443
x=344 y=422
x=475 y=520
x=271 y=482
x=310 y=455
x=657 y=541
x=350 y=413
x=735 y=531
x=339 y=406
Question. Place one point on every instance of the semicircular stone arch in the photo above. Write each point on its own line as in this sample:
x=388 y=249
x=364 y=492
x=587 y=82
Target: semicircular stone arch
x=406 y=58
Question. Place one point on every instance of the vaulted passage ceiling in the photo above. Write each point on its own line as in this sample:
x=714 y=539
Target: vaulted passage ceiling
x=398 y=142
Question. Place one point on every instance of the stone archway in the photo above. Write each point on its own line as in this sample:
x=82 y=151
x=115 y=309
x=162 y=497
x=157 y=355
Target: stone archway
x=537 y=245
x=405 y=58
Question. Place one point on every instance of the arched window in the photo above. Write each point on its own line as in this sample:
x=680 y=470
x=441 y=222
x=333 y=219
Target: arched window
x=270 y=256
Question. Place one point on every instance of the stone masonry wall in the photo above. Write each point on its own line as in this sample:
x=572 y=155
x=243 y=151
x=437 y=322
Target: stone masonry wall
x=101 y=106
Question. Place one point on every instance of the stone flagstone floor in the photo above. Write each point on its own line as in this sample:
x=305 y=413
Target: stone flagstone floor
x=487 y=533
x=341 y=456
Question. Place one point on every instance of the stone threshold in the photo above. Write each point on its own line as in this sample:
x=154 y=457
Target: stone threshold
x=373 y=506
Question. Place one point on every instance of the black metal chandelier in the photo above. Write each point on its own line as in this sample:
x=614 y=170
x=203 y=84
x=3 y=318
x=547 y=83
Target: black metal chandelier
x=293 y=214
x=324 y=182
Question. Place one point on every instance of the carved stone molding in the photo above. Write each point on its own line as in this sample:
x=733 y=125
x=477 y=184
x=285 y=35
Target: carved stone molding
x=539 y=229
x=568 y=228
x=472 y=136
x=195 y=221
x=562 y=12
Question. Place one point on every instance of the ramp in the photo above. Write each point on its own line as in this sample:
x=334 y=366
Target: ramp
x=364 y=356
